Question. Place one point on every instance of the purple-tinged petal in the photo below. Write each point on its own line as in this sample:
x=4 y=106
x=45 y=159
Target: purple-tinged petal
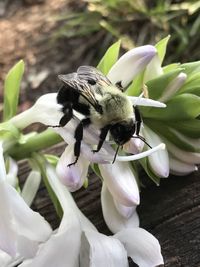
x=130 y=64
x=134 y=146
x=159 y=161
x=121 y=182
x=114 y=220
x=72 y=176
x=141 y=246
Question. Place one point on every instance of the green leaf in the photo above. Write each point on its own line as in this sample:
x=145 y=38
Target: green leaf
x=190 y=128
x=161 y=47
x=181 y=107
x=110 y=58
x=135 y=88
x=149 y=172
x=9 y=128
x=191 y=68
x=11 y=90
x=171 y=67
x=173 y=136
x=157 y=86
x=192 y=85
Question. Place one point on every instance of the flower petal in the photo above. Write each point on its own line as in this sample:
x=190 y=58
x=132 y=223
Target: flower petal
x=49 y=255
x=134 y=146
x=182 y=155
x=72 y=176
x=158 y=161
x=121 y=182
x=178 y=167
x=130 y=64
x=146 y=102
x=114 y=220
x=153 y=69
x=141 y=246
x=46 y=110
x=11 y=176
x=4 y=259
x=31 y=187
x=173 y=87
x=100 y=250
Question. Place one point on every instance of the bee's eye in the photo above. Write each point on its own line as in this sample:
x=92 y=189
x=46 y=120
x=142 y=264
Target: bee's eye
x=91 y=81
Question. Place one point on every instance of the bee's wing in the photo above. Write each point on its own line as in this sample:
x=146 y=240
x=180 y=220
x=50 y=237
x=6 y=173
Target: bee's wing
x=85 y=81
x=92 y=76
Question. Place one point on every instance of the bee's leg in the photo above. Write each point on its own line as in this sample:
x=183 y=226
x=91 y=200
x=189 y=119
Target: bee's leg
x=138 y=120
x=78 y=135
x=102 y=137
x=68 y=114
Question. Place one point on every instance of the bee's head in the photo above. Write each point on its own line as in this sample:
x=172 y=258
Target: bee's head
x=122 y=131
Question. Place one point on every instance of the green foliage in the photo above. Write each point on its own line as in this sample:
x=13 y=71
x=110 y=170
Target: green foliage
x=181 y=107
x=138 y=22
x=11 y=90
x=110 y=58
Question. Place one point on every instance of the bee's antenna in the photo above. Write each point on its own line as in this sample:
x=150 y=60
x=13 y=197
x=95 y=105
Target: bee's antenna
x=141 y=138
x=116 y=153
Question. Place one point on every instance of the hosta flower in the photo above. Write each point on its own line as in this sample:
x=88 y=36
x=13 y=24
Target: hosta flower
x=177 y=125
x=77 y=242
x=21 y=229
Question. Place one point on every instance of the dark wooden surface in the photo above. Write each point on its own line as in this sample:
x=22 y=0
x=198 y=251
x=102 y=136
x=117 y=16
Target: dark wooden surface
x=171 y=212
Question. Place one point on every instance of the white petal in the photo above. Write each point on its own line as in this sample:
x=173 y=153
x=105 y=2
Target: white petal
x=188 y=140
x=60 y=250
x=146 y=102
x=134 y=146
x=72 y=176
x=124 y=211
x=4 y=259
x=121 y=182
x=153 y=69
x=130 y=64
x=99 y=250
x=31 y=187
x=8 y=229
x=182 y=155
x=173 y=87
x=141 y=246
x=11 y=176
x=2 y=165
x=46 y=110
x=159 y=161
x=178 y=167
x=114 y=220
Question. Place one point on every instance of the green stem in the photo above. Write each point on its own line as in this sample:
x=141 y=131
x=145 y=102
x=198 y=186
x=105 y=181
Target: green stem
x=35 y=143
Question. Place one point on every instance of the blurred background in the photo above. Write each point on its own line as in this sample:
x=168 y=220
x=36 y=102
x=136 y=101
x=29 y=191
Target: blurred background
x=57 y=36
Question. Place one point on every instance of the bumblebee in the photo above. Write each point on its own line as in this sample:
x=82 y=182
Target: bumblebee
x=103 y=104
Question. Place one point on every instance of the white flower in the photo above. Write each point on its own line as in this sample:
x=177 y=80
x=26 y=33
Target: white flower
x=121 y=182
x=77 y=242
x=159 y=161
x=73 y=177
x=21 y=229
x=141 y=246
x=130 y=64
x=114 y=220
